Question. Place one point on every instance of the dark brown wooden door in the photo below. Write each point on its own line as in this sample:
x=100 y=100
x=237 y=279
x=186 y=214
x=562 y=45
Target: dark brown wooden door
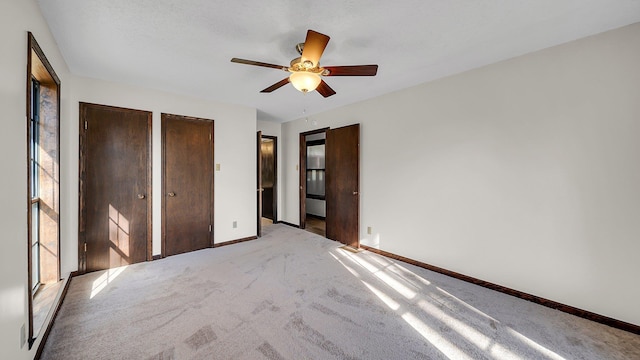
x=187 y=184
x=269 y=178
x=302 y=174
x=115 y=201
x=342 y=184
x=259 y=182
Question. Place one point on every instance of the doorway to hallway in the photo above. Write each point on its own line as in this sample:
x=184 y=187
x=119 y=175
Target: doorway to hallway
x=267 y=181
x=315 y=180
x=329 y=183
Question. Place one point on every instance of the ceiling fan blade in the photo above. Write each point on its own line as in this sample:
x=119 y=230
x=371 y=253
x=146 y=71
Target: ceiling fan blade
x=258 y=63
x=276 y=86
x=325 y=90
x=354 y=70
x=314 y=46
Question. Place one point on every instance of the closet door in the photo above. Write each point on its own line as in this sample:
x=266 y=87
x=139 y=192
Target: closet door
x=187 y=184
x=115 y=187
x=342 y=184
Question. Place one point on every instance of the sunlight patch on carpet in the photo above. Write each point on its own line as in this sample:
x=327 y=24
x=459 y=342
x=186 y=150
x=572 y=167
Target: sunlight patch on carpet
x=465 y=304
x=392 y=304
x=474 y=336
x=105 y=279
x=386 y=278
x=441 y=343
x=351 y=249
x=351 y=270
x=543 y=350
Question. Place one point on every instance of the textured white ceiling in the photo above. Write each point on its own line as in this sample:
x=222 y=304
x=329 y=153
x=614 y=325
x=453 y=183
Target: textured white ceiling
x=184 y=46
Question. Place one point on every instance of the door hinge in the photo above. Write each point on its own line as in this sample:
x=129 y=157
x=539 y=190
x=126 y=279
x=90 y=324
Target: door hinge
x=85 y=125
x=85 y=247
x=209 y=227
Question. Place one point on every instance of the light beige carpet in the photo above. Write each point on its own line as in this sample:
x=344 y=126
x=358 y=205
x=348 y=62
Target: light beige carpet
x=295 y=295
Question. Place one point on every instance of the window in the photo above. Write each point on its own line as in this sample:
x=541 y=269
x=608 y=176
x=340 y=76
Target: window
x=34 y=139
x=43 y=209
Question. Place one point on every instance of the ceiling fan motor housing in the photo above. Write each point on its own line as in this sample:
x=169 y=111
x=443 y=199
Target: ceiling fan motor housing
x=298 y=65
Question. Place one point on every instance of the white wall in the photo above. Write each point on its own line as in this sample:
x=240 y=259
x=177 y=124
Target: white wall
x=234 y=150
x=16 y=18
x=274 y=129
x=269 y=128
x=524 y=173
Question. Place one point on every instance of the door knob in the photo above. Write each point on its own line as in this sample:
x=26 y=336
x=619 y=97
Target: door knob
x=141 y=196
x=172 y=194
x=355 y=193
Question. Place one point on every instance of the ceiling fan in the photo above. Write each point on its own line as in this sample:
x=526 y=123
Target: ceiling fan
x=306 y=71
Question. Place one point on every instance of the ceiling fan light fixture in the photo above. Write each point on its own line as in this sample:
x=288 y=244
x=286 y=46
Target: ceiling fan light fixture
x=305 y=81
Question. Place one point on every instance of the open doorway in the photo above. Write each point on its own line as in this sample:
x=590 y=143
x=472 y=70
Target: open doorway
x=267 y=181
x=312 y=182
x=329 y=183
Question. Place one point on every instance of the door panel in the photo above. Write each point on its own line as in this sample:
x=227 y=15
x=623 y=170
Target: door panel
x=268 y=181
x=187 y=145
x=115 y=186
x=302 y=174
x=342 y=182
x=259 y=182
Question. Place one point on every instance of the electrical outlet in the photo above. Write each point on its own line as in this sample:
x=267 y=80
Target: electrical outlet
x=296 y=167
x=235 y=224
x=23 y=336
x=369 y=230
x=217 y=167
